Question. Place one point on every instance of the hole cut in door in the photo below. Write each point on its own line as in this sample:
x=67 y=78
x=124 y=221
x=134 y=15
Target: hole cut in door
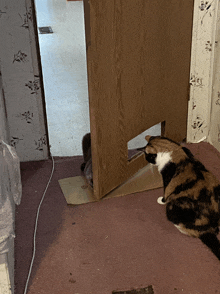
x=139 y=140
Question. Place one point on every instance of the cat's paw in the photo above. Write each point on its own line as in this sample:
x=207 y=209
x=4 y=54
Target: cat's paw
x=160 y=200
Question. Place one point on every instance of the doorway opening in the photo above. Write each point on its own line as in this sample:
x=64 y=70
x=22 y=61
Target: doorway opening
x=61 y=34
x=64 y=69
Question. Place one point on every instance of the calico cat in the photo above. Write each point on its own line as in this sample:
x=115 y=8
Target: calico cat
x=191 y=192
x=86 y=166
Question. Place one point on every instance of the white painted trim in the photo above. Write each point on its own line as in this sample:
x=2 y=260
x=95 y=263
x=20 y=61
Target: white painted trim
x=202 y=69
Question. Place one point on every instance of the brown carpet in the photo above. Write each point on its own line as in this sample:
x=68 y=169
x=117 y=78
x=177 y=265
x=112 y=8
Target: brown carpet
x=116 y=245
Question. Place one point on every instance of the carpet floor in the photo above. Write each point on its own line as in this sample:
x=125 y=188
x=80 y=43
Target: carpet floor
x=117 y=244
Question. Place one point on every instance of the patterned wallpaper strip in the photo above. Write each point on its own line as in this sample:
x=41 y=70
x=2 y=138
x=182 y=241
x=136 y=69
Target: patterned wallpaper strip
x=21 y=81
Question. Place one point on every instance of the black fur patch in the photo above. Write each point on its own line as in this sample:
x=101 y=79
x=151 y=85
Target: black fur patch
x=198 y=169
x=212 y=242
x=204 y=196
x=197 y=166
x=151 y=158
x=181 y=210
x=214 y=219
x=168 y=173
x=180 y=167
x=201 y=229
x=217 y=193
x=188 y=184
x=188 y=152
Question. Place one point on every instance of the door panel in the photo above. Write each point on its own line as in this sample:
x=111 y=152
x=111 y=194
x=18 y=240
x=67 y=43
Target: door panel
x=138 y=58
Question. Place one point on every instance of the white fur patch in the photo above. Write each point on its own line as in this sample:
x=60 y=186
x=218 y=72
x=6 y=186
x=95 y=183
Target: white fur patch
x=159 y=200
x=162 y=159
x=180 y=229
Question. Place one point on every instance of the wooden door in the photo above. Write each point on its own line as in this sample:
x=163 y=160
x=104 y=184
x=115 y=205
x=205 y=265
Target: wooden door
x=138 y=59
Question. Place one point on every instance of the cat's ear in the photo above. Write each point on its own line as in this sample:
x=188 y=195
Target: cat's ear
x=148 y=138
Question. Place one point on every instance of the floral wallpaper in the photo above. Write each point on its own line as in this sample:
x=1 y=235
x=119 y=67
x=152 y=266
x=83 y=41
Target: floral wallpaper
x=21 y=80
x=204 y=103
x=214 y=134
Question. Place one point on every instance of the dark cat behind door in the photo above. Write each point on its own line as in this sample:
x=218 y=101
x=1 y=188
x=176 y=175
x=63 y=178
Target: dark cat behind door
x=191 y=192
x=86 y=166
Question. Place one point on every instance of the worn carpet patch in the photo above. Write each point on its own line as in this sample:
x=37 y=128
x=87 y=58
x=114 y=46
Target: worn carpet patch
x=148 y=290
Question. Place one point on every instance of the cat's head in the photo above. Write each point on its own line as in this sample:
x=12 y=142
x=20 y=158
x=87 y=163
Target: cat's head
x=159 y=150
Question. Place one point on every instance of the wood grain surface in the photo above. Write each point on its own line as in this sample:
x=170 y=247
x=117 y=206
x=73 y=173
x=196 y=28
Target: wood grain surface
x=138 y=57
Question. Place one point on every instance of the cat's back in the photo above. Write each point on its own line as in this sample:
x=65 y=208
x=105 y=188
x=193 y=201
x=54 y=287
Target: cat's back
x=192 y=180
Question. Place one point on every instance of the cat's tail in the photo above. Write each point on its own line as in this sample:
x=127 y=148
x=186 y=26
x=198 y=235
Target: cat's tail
x=212 y=242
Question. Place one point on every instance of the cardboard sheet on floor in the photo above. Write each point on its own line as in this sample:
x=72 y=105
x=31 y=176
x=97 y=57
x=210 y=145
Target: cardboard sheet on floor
x=77 y=191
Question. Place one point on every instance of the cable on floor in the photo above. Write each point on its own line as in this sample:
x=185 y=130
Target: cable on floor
x=35 y=229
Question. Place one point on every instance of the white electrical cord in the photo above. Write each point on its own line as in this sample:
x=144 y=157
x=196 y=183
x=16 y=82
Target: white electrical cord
x=35 y=230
